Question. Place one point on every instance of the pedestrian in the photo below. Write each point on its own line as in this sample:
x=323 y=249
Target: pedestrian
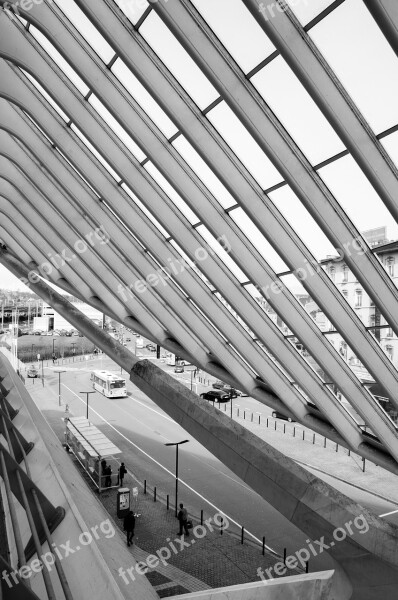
x=122 y=473
x=54 y=357
x=108 y=473
x=129 y=526
x=183 y=519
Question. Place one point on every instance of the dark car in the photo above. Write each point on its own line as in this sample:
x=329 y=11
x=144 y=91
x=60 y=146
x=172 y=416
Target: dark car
x=151 y=347
x=219 y=385
x=179 y=369
x=278 y=415
x=216 y=396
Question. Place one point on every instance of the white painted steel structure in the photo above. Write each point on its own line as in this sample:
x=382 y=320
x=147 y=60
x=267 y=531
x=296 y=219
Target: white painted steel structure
x=117 y=184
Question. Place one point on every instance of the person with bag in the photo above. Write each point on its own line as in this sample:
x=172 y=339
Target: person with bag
x=129 y=526
x=183 y=519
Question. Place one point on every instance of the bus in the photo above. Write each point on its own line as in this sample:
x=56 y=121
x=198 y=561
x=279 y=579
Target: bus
x=175 y=361
x=109 y=384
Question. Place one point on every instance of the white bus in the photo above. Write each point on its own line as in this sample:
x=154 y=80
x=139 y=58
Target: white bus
x=109 y=384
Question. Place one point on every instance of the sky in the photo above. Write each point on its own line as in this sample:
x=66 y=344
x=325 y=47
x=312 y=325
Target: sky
x=361 y=58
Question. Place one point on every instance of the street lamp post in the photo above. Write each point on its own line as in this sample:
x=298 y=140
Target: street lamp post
x=32 y=352
x=59 y=386
x=73 y=350
x=176 y=444
x=87 y=393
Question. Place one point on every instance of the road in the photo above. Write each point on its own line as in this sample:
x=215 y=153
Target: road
x=141 y=430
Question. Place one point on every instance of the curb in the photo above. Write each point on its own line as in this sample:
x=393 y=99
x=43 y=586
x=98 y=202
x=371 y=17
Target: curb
x=358 y=487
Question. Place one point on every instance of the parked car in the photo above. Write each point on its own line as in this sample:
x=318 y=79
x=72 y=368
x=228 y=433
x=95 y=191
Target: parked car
x=216 y=396
x=68 y=333
x=128 y=339
x=151 y=347
x=242 y=394
x=278 y=415
x=56 y=333
x=218 y=385
x=179 y=369
x=37 y=332
x=32 y=371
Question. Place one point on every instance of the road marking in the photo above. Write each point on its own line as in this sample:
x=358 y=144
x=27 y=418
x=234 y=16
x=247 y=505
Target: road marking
x=169 y=472
x=389 y=513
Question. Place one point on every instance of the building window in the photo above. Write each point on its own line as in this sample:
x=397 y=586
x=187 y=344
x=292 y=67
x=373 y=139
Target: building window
x=332 y=273
x=345 y=294
x=345 y=273
x=358 y=298
x=390 y=352
x=390 y=265
x=343 y=349
x=390 y=332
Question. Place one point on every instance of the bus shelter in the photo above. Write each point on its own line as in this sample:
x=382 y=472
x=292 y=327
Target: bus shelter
x=94 y=452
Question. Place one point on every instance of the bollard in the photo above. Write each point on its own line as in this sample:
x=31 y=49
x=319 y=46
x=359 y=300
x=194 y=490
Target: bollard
x=284 y=555
x=267 y=421
x=242 y=535
x=259 y=419
x=294 y=432
x=154 y=494
x=168 y=504
x=324 y=443
x=313 y=439
x=221 y=526
x=201 y=517
x=284 y=427
x=349 y=452
x=144 y=486
x=244 y=414
x=238 y=413
x=303 y=434
x=275 y=425
x=307 y=567
x=252 y=418
x=363 y=465
x=263 y=545
x=337 y=447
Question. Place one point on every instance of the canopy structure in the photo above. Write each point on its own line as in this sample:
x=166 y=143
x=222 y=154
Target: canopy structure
x=185 y=166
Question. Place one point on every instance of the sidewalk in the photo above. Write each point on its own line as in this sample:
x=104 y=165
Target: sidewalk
x=210 y=559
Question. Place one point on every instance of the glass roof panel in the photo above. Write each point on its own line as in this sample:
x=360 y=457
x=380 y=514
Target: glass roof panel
x=390 y=143
x=145 y=210
x=297 y=112
x=43 y=92
x=244 y=146
x=306 y=10
x=302 y=222
x=363 y=61
x=92 y=36
x=144 y=99
x=133 y=9
x=223 y=254
x=178 y=61
x=59 y=60
x=204 y=172
x=237 y=30
x=116 y=128
x=255 y=236
x=95 y=152
x=172 y=194
x=357 y=197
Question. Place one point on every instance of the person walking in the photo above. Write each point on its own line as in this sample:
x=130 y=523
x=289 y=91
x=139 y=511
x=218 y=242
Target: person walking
x=129 y=526
x=183 y=519
x=122 y=473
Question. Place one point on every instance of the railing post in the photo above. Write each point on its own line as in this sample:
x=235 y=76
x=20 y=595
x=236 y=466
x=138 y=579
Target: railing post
x=263 y=545
x=154 y=494
x=242 y=535
x=168 y=501
x=201 y=517
x=284 y=555
x=324 y=443
x=294 y=431
x=221 y=526
x=144 y=486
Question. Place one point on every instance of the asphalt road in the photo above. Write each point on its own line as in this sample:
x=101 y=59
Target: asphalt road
x=141 y=430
